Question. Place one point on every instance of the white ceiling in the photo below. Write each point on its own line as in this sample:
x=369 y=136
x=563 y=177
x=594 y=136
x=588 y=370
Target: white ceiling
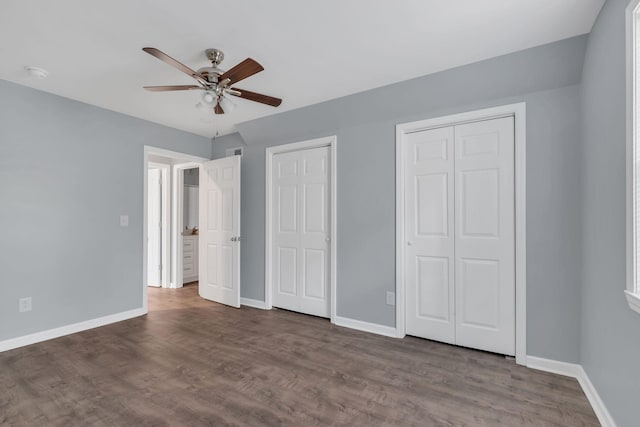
x=312 y=51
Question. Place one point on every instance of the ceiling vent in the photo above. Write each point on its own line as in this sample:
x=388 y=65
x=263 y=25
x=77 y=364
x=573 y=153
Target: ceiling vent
x=234 y=151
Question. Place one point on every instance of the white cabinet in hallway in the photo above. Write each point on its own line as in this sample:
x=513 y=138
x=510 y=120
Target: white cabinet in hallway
x=190 y=258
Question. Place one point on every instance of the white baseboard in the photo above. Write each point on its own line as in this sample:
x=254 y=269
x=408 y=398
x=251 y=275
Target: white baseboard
x=554 y=366
x=597 y=404
x=374 y=328
x=253 y=303
x=575 y=371
x=37 y=337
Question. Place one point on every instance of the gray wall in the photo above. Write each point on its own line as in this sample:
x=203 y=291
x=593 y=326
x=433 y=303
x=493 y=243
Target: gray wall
x=546 y=78
x=610 y=330
x=67 y=172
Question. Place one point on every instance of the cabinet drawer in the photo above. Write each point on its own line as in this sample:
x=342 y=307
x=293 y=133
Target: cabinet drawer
x=187 y=258
x=187 y=268
x=189 y=244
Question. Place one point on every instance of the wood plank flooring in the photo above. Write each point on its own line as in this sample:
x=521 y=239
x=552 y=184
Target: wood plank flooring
x=193 y=362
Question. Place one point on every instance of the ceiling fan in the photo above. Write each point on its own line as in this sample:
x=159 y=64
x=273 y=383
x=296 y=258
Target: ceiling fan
x=215 y=83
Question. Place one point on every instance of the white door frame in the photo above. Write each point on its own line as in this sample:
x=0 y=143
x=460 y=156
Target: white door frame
x=165 y=256
x=181 y=157
x=519 y=112
x=330 y=141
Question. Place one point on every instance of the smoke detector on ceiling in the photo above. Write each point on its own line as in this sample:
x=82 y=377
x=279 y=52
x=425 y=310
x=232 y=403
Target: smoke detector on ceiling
x=39 y=73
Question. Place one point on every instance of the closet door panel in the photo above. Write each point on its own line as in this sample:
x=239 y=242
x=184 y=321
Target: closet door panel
x=429 y=256
x=485 y=235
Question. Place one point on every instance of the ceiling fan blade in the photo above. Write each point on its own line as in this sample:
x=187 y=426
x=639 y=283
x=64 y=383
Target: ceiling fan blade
x=246 y=68
x=218 y=109
x=257 y=97
x=175 y=64
x=170 y=88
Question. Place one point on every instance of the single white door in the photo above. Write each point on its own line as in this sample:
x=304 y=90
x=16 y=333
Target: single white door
x=485 y=235
x=301 y=231
x=219 y=225
x=429 y=232
x=154 y=227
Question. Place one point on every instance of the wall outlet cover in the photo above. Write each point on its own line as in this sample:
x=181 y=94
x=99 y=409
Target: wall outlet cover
x=391 y=298
x=124 y=220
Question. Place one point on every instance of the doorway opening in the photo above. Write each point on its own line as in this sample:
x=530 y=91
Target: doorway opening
x=163 y=218
x=189 y=224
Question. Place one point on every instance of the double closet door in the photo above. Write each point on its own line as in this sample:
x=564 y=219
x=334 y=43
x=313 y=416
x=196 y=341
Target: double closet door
x=460 y=235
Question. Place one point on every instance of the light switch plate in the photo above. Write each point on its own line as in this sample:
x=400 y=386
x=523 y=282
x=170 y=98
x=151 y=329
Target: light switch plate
x=124 y=220
x=391 y=298
x=24 y=304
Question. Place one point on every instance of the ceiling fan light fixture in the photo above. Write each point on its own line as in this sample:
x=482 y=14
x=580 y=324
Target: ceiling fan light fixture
x=202 y=107
x=215 y=82
x=227 y=105
x=210 y=98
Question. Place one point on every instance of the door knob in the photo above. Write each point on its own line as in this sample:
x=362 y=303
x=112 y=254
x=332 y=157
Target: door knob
x=233 y=239
x=409 y=243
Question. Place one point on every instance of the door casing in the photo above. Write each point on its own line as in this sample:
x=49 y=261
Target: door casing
x=518 y=111
x=331 y=142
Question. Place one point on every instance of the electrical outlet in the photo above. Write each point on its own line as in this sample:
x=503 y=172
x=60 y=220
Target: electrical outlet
x=124 y=220
x=391 y=298
x=24 y=304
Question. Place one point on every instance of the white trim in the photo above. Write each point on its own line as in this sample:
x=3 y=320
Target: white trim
x=519 y=112
x=605 y=418
x=147 y=151
x=166 y=223
x=359 y=325
x=253 y=303
x=69 y=329
x=330 y=141
x=634 y=300
x=575 y=371
x=632 y=99
x=553 y=366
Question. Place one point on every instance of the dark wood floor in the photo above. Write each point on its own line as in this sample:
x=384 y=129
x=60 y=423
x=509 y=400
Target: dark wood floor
x=193 y=362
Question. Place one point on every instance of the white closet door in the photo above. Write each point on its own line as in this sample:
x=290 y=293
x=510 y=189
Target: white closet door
x=429 y=217
x=300 y=228
x=219 y=276
x=485 y=235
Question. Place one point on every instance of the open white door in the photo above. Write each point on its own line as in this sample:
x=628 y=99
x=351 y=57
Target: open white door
x=220 y=231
